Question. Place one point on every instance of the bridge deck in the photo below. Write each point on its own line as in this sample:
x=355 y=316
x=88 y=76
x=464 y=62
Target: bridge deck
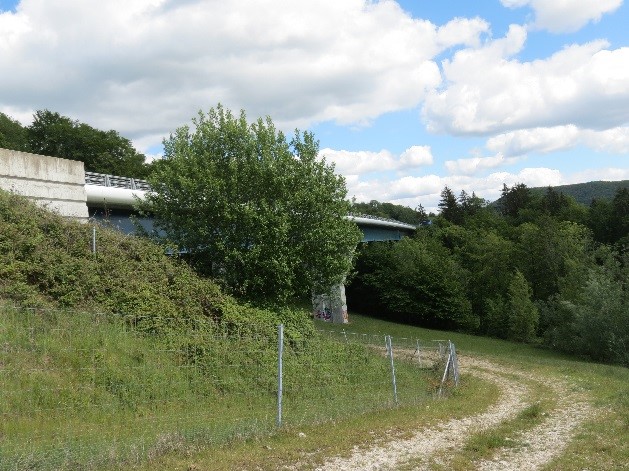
x=113 y=199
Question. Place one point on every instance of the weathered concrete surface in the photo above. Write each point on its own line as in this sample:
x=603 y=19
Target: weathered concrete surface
x=331 y=306
x=57 y=184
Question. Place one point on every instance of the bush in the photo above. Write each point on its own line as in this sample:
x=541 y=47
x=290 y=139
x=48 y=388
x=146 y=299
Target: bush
x=47 y=261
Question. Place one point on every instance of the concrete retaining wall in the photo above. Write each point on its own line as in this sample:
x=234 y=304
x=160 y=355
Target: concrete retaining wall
x=57 y=184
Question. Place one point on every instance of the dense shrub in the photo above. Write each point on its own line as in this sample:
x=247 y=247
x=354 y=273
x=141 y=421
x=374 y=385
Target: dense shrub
x=47 y=261
x=415 y=278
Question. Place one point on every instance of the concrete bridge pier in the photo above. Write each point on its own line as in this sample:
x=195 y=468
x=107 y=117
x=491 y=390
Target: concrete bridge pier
x=331 y=306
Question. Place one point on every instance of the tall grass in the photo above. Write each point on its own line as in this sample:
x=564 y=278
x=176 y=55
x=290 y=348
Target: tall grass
x=81 y=390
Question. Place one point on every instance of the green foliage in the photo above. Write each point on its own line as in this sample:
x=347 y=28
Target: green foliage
x=12 y=134
x=513 y=316
x=562 y=207
x=450 y=208
x=523 y=315
x=585 y=193
x=47 y=261
x=553 y=256
x=620 y=217
x=609 y=219
x=515 y=200
x=259 y=213
x=391 y=211
x=525 y=273
x=59 y=136
x=416 y=279
x=597 y=325
x=487 y=257
x=101 y=151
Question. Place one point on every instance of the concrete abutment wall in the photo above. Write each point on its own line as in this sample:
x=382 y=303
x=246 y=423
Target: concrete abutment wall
x=57 y=184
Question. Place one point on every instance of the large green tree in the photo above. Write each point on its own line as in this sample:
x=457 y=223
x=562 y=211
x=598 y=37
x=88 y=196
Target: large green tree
x=449 y=206
x=101 y=151
x=417 y=280
x=12 y=134
x=263 y=214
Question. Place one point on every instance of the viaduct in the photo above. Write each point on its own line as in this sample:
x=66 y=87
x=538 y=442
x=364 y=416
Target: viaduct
x=63 y=186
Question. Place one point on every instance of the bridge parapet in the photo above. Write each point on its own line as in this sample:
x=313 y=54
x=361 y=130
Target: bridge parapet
x=102 y=179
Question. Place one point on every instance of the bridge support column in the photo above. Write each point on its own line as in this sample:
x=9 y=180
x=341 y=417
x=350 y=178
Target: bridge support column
x=331 y=306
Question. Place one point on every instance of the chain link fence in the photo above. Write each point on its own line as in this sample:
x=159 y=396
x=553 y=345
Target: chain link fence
x=87 y=390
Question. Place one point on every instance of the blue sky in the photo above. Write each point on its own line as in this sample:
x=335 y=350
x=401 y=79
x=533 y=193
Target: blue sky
x=404 y=96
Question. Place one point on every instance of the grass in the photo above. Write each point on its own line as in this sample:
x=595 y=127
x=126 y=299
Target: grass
x=600 y=443
x=88 y=391
x=310 y=445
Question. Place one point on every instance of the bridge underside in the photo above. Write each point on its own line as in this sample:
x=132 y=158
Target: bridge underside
x=123 y=220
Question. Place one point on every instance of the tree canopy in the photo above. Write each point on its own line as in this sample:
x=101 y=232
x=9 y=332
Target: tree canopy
x=12 y=134
x=263 y=214
x=101 y=151
x=535 y=266
x=55 y=135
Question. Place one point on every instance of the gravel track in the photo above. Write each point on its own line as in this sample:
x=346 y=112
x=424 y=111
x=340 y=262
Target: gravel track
x=537 y=446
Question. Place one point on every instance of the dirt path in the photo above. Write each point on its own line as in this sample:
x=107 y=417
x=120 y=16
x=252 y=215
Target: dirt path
x=547 y=440
x=540 y=444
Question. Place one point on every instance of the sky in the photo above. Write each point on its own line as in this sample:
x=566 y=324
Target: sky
x=405 y=97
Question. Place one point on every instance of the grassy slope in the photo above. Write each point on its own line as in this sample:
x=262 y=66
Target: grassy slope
x=122 y=355
x=600 y=444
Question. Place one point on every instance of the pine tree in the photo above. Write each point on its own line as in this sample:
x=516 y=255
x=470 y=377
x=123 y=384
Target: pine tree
x=450 y=207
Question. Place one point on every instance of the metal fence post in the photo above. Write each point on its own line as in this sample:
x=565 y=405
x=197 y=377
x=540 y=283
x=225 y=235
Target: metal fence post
x=280 y=352
x=455 y=363
x=445 y=375
x=419 y=354
x=390 y=351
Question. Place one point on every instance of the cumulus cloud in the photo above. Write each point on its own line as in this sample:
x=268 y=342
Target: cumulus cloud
x=488 y=91
x=534 y=140
x=615 y=140
x=474 y=165
x=546 y=140
x=600 y=174
x=363 y=162
x=144 y=67
x=416 y=156
x=561 y=16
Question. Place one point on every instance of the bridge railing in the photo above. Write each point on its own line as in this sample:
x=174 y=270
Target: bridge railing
x=102 y=179
x=377 y=218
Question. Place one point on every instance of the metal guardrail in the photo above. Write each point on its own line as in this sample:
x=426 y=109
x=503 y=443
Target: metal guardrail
x=378 y=218
x=102 y=179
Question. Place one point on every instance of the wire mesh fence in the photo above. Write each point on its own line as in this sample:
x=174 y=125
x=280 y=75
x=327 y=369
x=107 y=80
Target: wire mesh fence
x=86 y=390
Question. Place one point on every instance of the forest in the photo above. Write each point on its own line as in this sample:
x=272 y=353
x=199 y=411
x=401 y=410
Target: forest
x=534 y=267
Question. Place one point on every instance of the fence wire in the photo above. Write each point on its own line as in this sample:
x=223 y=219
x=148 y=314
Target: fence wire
x=85 y=390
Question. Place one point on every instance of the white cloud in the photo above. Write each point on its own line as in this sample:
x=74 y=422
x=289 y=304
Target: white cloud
x=462 y=31
x=416 y=156
x=489 y=91
x=363 y=162
x=546 y=140
x=474 y=165
x=359 y=162
x=599 y=174
x=534 y=140
x=615 y=140
x=144 y=67
x=561 y=16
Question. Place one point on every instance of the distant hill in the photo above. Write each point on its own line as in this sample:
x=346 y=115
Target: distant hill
x=584 y=193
